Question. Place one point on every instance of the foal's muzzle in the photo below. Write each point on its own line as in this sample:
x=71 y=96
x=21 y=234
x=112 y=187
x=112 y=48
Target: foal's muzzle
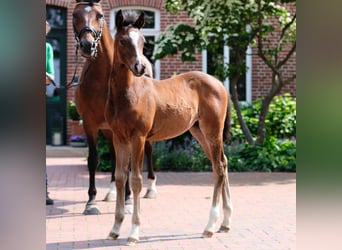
x=138 y=69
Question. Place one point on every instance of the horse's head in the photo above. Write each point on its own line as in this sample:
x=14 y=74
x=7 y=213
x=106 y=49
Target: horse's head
x=88 y=21
x=129 y=42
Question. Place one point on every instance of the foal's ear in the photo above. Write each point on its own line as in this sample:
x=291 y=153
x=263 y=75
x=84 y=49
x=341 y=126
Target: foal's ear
x=140 y=22
x=119 y=20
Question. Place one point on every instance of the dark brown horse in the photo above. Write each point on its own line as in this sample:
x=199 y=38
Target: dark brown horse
x=96 y=45
x=140 y=109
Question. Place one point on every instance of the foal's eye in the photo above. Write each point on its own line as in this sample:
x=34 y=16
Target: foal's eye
x=122 y=41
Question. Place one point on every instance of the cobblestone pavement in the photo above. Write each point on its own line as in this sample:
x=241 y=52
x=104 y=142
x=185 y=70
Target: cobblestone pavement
x=264 y=215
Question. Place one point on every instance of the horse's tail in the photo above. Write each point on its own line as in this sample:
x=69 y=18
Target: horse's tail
x=227 y=122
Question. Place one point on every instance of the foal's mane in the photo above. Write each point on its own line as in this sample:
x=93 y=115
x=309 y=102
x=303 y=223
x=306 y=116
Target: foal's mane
x=90 y=2
x=130 y=17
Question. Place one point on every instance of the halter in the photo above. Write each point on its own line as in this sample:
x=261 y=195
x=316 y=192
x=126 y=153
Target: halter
x=97 y=34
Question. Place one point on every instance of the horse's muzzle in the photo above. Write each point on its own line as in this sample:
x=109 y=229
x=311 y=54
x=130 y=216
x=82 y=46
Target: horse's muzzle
x=88 y=48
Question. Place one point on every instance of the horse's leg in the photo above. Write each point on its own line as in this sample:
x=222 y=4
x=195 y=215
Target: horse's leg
x=111 y=194
x=136 y=182
x=122 y=153
x=227 y=206
x=91 y=207
x=214 y=150
x=151 y=191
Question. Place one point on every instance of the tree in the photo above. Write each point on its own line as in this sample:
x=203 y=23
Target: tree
x=238 y=24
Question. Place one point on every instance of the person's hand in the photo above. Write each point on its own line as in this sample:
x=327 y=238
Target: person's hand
x=47 y=81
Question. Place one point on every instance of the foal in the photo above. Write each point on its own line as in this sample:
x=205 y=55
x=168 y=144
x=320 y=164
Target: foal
x=96 y=45
x=140 y=108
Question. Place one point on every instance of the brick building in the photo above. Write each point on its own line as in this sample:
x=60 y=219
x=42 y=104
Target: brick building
x=59 y=13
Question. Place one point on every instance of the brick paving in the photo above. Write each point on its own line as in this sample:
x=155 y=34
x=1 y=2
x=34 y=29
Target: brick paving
x=264 y=214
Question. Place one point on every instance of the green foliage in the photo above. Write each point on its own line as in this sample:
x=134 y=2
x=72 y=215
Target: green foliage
x=280 y=120
x=72 y=111
x=105 y=163
x=273 y=155
x=179 y=37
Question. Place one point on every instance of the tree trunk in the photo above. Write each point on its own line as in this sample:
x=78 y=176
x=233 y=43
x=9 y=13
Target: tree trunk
x=235 y=100
x=276 y=87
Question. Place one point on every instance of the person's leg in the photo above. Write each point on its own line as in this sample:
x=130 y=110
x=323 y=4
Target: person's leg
x=49 y=201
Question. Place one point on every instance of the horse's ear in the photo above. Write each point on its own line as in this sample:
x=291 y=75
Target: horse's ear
x=140 y=22
x=119 y=20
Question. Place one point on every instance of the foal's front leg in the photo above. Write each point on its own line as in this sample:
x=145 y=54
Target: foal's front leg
x=122 y=158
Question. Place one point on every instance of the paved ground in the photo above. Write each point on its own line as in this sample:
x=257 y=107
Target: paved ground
x=264 y=210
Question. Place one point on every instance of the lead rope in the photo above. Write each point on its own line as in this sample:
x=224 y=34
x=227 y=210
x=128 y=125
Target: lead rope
x=72 y=82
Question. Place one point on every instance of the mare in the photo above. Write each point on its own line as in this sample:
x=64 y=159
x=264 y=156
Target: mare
x=96 y=45
x=140 y=109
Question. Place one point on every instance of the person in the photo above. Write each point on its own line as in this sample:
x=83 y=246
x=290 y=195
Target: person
x=50 y=72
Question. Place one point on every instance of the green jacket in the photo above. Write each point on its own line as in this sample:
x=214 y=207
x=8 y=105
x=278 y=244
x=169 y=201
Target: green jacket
x=49 y=60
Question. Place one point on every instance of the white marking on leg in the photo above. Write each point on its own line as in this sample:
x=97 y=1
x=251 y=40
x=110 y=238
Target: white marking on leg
x=134 y=234
x=213 y=217
x=112 y=188
x=152 y=184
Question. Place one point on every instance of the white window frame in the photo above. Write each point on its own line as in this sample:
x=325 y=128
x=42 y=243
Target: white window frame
x=226 y=61
x=145 y=31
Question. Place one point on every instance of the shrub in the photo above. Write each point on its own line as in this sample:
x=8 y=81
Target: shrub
x=72 y=111
x=280 y=120
x=273 y=155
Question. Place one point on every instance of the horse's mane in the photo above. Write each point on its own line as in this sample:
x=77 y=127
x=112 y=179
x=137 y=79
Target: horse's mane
x=130 y=17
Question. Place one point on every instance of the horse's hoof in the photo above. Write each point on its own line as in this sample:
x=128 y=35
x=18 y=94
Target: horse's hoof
x=150 y=194
x=112 y=236
x=131 y=241
x=110 y=197
x=207 y=234
x=223 y=229
x=91 y=210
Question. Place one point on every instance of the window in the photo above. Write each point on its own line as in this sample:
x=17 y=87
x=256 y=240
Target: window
x=150 y=30
x=210 y=59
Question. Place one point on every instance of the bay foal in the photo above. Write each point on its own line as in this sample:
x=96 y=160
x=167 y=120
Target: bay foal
x=140 y=108
x=96 y=45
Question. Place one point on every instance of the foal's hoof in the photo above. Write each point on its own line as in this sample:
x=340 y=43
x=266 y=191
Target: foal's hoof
x=207 y=234
x=131 y=241
x=91 y=209
x=223 y=229
x=112 y=236
x=110 y=197
x=150 y=194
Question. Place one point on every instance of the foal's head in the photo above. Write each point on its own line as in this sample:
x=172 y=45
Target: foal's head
x=88 y=21
x=129 y=42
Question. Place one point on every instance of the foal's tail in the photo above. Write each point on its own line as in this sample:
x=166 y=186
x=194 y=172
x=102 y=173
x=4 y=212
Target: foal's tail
x=227 y=122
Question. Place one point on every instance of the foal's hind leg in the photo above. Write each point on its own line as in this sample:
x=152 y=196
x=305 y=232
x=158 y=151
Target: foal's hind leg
x=151 y=191
x=212 y=146
x=227 y=206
